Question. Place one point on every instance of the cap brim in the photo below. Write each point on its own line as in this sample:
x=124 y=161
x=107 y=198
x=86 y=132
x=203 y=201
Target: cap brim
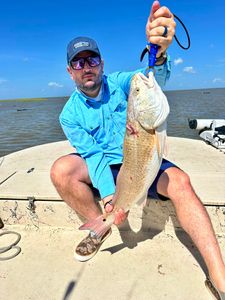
x=82 y=50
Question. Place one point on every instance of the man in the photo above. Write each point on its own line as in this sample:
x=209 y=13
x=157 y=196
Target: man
x=94 y=120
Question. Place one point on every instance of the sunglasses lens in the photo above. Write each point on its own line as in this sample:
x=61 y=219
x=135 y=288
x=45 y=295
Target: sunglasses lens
x=78 y=64
x=93 y=61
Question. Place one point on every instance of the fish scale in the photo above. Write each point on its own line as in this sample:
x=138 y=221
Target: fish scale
x=132 y=183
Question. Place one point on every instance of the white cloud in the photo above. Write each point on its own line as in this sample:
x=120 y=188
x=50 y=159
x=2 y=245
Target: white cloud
x=221 y=62
x=55 y=84
x=189 y=70
x=178 y=61
x=2 y=80
x=218 y=80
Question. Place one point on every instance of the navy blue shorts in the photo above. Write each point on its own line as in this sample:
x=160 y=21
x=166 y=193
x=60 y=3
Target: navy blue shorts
x=152 y=192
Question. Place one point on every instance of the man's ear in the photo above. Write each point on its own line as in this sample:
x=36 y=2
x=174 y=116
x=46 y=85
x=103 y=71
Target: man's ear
x=102 y=65
x=70 y=72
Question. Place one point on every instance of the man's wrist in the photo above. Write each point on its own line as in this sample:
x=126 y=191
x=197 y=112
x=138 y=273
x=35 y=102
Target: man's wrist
x=161 y=59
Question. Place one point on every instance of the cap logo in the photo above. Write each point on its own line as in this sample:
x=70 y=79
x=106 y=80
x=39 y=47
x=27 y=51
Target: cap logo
x=81 y=44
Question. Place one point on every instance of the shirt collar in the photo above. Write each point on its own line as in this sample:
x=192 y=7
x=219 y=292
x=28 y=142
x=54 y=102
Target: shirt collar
x=106 y=88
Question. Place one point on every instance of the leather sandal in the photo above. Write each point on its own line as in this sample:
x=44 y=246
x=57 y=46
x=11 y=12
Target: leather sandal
x=90 y=245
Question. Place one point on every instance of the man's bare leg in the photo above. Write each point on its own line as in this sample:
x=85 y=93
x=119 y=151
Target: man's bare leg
x=69 y=175
x=194 y=219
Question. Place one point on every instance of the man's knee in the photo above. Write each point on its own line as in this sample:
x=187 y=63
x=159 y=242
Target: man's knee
x=172 y=182
x=178 y=183
x=57 y=170
x=69 y=167
x=183 y=179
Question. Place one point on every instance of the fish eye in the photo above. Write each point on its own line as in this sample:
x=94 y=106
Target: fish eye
x=137 y=89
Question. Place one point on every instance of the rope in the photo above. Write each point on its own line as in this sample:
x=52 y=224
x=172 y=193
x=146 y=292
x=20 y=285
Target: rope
x=11 y=246
x=186 y=31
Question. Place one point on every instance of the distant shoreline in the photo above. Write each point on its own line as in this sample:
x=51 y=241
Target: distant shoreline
x=196 y=90
x=33 y=99
x=25 y=99
x=203 y=90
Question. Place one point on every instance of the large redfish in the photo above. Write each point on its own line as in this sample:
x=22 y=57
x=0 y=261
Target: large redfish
x=144 y=143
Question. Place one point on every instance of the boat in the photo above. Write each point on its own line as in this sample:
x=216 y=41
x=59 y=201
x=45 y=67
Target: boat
x=142 y=247
x=211 y=131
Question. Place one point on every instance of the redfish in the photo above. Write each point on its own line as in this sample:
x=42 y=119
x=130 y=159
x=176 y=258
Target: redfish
x=143 y=148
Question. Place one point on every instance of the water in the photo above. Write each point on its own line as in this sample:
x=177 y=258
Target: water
x=28 y=123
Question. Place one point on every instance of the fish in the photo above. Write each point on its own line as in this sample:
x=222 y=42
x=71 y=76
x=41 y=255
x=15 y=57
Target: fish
x=143 y=148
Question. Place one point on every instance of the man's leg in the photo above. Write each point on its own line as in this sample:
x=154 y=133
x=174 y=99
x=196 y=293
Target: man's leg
x=193 y=217
x=69 y=175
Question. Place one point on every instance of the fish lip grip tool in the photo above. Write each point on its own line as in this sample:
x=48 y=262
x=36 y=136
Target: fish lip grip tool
x=152 y=55
x=152 y=50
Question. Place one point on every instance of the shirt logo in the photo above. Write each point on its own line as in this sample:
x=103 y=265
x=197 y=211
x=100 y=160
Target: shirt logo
x=81 y=44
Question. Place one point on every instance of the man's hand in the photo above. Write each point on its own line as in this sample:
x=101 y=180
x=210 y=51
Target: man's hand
x=159 y=19
x=108 y=203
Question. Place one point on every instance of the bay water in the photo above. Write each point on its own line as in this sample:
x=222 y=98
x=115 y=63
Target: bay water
x=29 y=122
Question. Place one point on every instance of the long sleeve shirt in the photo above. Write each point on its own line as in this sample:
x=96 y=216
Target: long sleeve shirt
x=96 y=128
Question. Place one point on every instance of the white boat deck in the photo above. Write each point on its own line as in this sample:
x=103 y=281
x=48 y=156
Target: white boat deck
x=149 y=257
x=204 y=164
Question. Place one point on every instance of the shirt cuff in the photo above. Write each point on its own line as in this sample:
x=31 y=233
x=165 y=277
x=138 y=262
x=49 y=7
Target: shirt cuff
x=162 y=72
x=107 y=188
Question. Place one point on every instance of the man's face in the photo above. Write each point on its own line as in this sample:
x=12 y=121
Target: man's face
x=88 y=79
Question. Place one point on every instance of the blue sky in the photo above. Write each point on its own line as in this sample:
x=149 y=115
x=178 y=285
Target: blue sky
x=34 y=36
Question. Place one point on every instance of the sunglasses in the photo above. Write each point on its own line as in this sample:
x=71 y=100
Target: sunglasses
x=78 y=63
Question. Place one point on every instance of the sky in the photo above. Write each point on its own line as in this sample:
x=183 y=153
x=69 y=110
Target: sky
x=34 y=36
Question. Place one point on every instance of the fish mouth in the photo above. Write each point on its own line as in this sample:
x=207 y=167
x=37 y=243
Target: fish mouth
x=146 y=80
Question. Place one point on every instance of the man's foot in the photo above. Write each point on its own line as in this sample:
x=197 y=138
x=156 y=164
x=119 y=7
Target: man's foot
x=89 y=246
x=215 y=292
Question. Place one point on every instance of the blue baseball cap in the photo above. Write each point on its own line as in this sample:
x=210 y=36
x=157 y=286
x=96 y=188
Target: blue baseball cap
x=79 y=44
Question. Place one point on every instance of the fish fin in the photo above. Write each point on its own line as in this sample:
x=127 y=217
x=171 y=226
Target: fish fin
x=158 y=144
x=99 y=225
x=161 y=139
x=142 y=200
x=166 y=146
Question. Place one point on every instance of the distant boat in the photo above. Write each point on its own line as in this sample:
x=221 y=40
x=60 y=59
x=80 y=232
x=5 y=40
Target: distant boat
x=22 y=109
x=211 y=131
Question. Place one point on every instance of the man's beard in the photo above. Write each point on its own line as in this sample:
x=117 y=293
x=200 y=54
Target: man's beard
x=93 y=87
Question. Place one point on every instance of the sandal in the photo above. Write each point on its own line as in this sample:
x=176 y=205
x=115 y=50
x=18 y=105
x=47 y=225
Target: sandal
x=90 y=245
x=215 y=292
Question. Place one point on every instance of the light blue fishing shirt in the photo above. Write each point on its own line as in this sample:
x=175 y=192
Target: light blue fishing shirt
x=96 y=128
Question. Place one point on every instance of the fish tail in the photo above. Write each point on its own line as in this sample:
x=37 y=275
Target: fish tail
x=100 y=225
